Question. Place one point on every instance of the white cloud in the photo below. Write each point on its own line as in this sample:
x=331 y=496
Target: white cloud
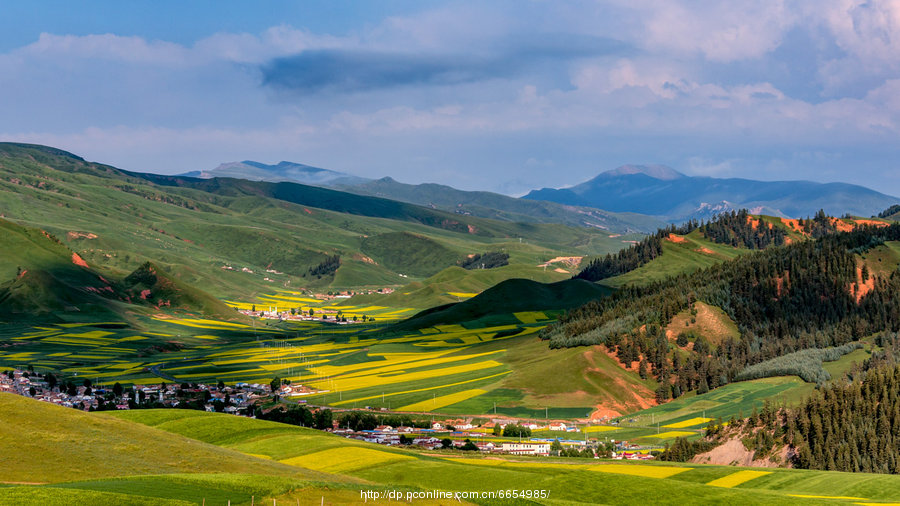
x=157 y=105
x=720 y=31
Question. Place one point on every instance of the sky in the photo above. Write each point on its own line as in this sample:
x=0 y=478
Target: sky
x=504 y=96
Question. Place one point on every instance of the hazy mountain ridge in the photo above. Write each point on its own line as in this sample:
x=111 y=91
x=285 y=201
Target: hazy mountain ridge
x=280 y=172
x=667 y=193
x=501 y=207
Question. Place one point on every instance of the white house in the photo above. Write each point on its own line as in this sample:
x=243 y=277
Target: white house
x=526 y=448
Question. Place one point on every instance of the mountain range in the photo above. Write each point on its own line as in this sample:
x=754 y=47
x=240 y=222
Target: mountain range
x=282 y=171
x=661 y=191
x=629 y=198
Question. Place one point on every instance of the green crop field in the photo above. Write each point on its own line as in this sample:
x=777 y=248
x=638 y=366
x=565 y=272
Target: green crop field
x=308 y=466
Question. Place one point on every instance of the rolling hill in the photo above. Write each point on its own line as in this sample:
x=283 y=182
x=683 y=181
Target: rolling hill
x=504 y=208
x=508 y=297
x=662 y=191
x=236 y=237
x=209 y=458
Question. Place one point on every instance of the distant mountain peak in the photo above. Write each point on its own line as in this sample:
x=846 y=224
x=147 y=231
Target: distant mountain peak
x=658 y=190
x=662 y=172
x=282 y=171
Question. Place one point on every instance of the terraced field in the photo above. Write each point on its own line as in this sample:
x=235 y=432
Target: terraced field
x=353 y=365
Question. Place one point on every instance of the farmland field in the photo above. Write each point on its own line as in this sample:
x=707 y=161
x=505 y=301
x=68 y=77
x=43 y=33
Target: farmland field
x=288 y=464
x=447 y=368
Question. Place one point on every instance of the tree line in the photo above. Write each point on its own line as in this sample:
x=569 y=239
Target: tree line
x=735 y=228
x=489 y=260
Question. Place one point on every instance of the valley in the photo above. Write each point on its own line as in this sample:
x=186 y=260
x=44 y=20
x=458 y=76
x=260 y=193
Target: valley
x=142 y=295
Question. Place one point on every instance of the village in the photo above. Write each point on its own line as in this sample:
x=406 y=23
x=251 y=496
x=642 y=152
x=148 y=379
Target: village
x=298 y=314
x=496 y=435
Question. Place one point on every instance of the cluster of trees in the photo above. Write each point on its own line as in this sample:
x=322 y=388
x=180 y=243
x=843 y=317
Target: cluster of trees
x=298 y=415
x=736 y=229
x=887 y=213
x=358 y=420
x=819 y=226
x=557 y=449
x=683 y=450
x=783 y=299
x=326 y=267
x=488 y=260
x=514 y=430
x=851 y=425
x=804 y=363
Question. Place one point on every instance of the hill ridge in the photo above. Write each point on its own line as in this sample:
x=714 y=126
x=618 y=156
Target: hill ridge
x=687 y=197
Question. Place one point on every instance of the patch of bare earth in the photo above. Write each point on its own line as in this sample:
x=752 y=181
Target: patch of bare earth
x=792 y=224
x=77 y=260
x=638 y=396
x=861 y=288
x=870 y=222
x=779 y=284
x=709 y=323
x=362 y=258
x=570 y=262
x=80 y=235
x=733 y=452
x=705 y=251
x=676 y=238
x=841 y=225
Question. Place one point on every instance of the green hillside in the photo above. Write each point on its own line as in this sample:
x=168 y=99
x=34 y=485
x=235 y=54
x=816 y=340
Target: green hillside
x=500 y=207
x=150 y=285
x=410 y=254
x=289 y=464
x=237 y=238
x=73 y=445
x=508 y=297
x=41 y=276
x=681 y=254
x=455 y=284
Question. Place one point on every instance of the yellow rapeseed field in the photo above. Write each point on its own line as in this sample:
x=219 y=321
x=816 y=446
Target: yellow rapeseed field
x=735 y=479
x=338 y=460
x=639 y=470
x=672 y=433
x=688 y=423
x=444 y=400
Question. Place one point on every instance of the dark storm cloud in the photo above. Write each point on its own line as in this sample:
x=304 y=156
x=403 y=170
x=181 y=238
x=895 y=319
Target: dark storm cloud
x=358 y=71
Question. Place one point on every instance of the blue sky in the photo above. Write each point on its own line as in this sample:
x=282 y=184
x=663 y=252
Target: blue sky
x=504 y=96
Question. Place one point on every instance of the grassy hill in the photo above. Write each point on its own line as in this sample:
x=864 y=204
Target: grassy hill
x=508 y=297
x=150 y=285
x=237 y=238
x=290 y=464
x=455 y=284
x=42 y=276
x=45 y=443
x=681 y=254
x=501 y=207
x=408 y=253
